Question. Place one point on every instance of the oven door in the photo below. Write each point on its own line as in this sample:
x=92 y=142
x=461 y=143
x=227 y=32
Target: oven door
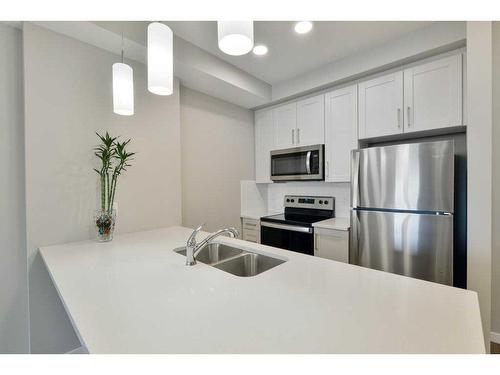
x=299 y=163
x=288 y=237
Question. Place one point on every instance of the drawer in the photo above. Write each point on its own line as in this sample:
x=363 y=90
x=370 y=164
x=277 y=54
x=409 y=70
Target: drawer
x=335 y=233
x=250 y=230
x=251 y=224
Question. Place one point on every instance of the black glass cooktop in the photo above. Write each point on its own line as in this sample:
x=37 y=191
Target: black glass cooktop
x=302 y=217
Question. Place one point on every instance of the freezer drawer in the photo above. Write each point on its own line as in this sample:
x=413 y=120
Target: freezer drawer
x=415 y=245
x=417 y=176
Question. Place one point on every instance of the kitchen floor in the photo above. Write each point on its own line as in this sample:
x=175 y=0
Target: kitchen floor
x=495 y=348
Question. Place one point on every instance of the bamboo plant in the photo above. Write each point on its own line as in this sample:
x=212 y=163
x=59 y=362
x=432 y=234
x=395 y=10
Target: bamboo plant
x=114 y=161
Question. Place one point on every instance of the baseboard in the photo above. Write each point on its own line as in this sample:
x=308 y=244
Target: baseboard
x=79 y=350
x=495 y=337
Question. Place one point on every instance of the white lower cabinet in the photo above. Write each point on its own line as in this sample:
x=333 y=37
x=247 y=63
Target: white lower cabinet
x=250 y=230
x=331 y=244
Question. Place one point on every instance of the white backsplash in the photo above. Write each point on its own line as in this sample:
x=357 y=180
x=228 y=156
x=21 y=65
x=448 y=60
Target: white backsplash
x=341 y=191
x=269 y=197
x=254 y=197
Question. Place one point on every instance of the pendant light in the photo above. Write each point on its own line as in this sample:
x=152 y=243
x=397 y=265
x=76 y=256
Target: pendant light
x=123 y=88
x=160 y=59
x=235 y=37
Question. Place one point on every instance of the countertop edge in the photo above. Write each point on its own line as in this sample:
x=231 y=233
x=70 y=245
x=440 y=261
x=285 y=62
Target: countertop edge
x=337 y=223
x=66 y=308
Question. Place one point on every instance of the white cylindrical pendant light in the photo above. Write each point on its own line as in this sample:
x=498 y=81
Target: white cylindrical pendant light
x=235 y=37
x=123 y=89
x=160 y=59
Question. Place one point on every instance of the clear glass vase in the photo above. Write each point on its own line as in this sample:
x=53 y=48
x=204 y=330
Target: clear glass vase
x=104 y=222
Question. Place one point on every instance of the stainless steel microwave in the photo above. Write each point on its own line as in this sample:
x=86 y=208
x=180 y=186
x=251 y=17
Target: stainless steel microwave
x=298 y=164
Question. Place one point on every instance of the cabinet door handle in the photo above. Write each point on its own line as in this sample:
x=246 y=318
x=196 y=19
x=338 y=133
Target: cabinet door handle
x=327 y=169
x=399 y=118
x=316 y=242
x=408 y=114
x=293 y=136
x=298 y=135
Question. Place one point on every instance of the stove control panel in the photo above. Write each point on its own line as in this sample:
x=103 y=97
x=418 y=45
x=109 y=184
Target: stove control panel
x=317 y=203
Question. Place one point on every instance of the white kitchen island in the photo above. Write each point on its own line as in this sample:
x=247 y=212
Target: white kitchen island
x=135 y=295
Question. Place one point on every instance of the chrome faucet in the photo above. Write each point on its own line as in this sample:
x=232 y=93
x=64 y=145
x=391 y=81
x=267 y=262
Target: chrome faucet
x=193 y=248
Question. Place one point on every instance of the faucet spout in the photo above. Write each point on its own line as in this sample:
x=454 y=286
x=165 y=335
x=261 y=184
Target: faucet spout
x=193 y=248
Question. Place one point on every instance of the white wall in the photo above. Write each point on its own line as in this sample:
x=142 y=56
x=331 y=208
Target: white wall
x=495 y=291
x=340 y=191
x=217 y=152
x=479 y=174
x=68 y=97
x=14 y=323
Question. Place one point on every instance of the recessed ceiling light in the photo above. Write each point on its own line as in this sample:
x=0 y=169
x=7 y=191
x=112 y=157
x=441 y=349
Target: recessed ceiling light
x=303 y=27
x=260 y=49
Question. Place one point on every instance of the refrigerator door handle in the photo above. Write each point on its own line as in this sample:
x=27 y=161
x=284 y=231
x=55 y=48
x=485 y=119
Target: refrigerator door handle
x=354 y=239
x=355 y=178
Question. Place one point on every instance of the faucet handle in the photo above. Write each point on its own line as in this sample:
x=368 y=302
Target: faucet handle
x=200 y=227
x=234 y=232
x=192 y=237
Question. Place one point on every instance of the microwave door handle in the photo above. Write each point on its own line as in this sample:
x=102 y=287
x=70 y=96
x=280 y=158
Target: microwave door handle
x=308 y=162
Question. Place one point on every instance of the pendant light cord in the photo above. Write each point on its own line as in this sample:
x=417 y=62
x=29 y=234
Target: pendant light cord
x=122 y=46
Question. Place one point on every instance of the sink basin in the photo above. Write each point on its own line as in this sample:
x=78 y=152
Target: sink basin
x=213 y=253
x=249 y=264
x=233 y=260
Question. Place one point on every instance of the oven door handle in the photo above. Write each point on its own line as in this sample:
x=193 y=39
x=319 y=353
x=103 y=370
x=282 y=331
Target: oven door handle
x=293 y=228
x=308 y=162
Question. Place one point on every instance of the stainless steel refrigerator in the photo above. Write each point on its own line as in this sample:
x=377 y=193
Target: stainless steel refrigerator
x=402 y=209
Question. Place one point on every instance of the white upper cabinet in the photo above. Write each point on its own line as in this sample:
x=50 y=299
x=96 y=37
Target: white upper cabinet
x=433 y=94
x=310 y=121
x=285 y=126
x=424 y=97
x=341 y=132
x=264 y=143
x=300 y=123
x=421 y=97
x=381 y=106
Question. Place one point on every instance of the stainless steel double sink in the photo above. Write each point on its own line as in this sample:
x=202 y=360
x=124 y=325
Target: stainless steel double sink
x=234 y=260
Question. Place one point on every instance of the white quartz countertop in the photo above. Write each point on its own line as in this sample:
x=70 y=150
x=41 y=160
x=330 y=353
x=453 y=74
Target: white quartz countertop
x=256 y=214
x=135 y=295
x=337 y=223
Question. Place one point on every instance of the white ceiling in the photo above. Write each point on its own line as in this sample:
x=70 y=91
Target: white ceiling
x=290 y=54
